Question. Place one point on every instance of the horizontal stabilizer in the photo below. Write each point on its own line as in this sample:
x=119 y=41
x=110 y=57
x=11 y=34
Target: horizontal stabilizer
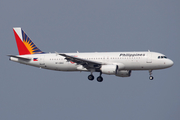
x=22 y=58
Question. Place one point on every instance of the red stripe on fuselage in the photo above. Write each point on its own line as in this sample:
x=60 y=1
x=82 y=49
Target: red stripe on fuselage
x=20 y=45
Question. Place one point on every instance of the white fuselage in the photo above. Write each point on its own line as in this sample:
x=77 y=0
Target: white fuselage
x=130 y=60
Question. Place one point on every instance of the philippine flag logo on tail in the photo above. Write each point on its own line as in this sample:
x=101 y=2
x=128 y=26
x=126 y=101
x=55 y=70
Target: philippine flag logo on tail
x=35 y=59
x=24 y=43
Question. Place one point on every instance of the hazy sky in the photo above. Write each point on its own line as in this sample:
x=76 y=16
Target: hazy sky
x=29 y=93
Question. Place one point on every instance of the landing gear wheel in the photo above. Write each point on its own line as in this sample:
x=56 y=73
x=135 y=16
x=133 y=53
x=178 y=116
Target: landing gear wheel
x=151 y=77
x=91 y=77
x=99 y=79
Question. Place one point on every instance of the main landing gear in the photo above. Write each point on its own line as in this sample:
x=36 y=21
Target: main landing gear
x=99 y=79
x=150 y=73
x=91 y=77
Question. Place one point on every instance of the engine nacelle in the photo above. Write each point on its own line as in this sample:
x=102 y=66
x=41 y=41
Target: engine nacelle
x=123 y=73
x=113 y=70
x=109 y=69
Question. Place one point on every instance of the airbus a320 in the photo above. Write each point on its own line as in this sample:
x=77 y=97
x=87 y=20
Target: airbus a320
x=120 y=64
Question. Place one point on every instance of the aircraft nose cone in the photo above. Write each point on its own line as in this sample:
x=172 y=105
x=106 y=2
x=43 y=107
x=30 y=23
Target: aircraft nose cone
x=170 y=63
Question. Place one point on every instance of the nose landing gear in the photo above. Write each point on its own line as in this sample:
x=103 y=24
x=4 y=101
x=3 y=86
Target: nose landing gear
x=150 y=73
x=151 y=77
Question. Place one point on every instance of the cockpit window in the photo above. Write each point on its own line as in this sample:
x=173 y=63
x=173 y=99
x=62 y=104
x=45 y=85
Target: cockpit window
x=161 y=57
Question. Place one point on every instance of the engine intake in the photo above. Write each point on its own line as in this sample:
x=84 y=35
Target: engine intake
x=109 y=69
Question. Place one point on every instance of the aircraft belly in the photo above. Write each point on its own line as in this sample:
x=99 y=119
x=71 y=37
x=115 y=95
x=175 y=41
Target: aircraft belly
x=60 y=66
x=66 y=67
x=132 y=65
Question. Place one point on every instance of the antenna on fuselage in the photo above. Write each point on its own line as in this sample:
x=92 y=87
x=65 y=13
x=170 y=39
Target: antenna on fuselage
x=56 y=53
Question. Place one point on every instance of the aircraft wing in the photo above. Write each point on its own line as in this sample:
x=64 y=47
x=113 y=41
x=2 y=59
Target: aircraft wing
x=89 y=64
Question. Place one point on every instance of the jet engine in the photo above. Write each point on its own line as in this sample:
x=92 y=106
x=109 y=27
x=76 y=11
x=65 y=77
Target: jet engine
x=113 y=70
x=123 y=73
x=109 y=69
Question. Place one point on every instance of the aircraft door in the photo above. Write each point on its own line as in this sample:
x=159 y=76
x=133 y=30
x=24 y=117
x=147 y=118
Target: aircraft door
x=149 y=57
x=41 y=61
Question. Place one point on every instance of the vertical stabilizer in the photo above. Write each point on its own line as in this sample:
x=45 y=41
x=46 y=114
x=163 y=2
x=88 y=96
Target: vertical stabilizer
x=24 y=43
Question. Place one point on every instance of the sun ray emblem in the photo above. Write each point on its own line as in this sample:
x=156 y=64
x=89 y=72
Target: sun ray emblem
x=30 y=45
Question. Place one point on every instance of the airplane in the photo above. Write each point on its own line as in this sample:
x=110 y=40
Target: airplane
x=120 y=64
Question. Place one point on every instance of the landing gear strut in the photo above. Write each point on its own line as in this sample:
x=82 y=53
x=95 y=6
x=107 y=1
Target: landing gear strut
x=100 y=79
x=150 y=73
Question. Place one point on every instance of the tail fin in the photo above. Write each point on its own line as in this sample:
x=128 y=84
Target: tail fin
x=24 y=43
